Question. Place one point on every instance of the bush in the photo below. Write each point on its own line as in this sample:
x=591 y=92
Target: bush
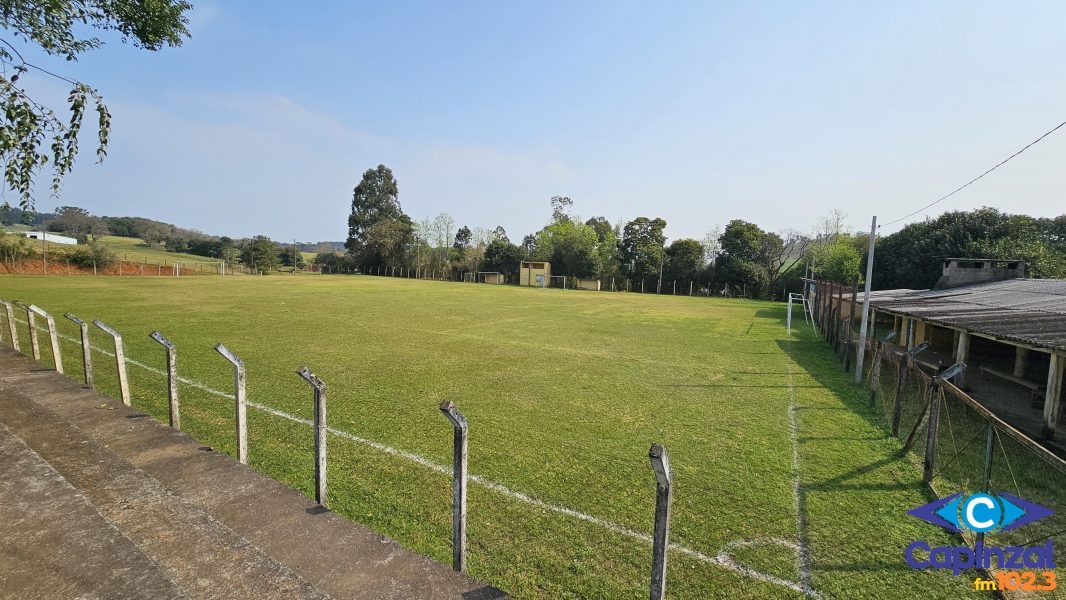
x=94 y=254
x=14 y=246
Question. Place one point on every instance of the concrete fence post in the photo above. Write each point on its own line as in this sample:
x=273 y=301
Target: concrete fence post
x=901 y=383
x=86 y=355
x=241 y=401
x=10 y=311
x=320 y=432
x=459 y=477
x=660 y=463
x=31 y=320
x=120 y=361
x=875 y=368
x=172 y=377
x=929 y=464
x=53 y=337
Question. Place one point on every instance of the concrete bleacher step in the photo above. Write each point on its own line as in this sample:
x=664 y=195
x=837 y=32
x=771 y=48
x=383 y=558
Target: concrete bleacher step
x=153 y=513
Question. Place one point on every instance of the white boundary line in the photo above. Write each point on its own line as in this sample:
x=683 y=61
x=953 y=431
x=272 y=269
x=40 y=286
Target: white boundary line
x=803 y=555
x=722 y=558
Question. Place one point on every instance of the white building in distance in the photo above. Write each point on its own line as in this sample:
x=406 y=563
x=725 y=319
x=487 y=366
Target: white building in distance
x=50 y=237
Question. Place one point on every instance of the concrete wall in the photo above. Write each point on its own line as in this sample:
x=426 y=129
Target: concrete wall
x=587 y=284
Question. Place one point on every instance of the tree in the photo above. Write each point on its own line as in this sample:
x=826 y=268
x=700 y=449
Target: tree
x=55 y=27
x=462 y=238
x=260 y=253
x=503 y=257
x=386 y=242
x=560 y=204
x=740 y=265
x=779 y=253
x=838 y=261
x=500 y=234
x=529 y=244
x=374 y=200
x=684 y=259
x=712 y=247
x=641 y=247
x=152 y=232
x=286 y=255
x=911 y=257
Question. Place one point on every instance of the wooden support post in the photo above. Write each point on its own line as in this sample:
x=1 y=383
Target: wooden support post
x=459 y=477
x=53 y=337
x=321 y=432
x=31 y=320
x=660 y=463
x=120 y=361
x=901 y=383
x=1053 y=396
x=10 y=311
x=1021 y=361
x=172 y=377
x=86 y=354
x=241 y=401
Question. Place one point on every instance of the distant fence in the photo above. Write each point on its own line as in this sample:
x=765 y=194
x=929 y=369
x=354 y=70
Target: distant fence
x=646 y=285
x=961 y=444
x=167 y=399
x=160 y=268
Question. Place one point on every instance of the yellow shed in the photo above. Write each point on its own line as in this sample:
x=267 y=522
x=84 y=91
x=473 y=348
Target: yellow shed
x=535 y=273
x=496 y=278
x=587 y=284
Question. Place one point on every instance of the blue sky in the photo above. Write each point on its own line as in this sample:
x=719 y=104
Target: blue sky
x=695 y=112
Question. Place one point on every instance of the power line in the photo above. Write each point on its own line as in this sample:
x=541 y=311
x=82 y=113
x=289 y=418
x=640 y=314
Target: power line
x=967 y=184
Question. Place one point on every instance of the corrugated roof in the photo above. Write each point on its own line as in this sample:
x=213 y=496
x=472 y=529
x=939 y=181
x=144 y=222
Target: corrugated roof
x=1026 y=311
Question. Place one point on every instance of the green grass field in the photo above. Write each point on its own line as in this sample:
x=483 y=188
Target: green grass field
x=565 y=391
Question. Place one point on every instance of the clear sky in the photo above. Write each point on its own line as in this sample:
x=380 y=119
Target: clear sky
x=697 y=112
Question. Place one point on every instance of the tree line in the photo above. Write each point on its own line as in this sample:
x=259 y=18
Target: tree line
x=739 y=259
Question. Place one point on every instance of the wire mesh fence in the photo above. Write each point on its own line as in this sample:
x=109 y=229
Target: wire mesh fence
x=962 y=445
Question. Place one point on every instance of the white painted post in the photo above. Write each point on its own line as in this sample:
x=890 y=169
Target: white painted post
x=866 y=303
x=11 y=325
x=86 y=356
x=459 y=478
x=962 y=354
x=788 y=318
x=320 y=432
x=53 y=337
x=120 y=361
x=35 y=347
x=241 y=401
x=660 y=463
x=1053 y=396
x=172 y=377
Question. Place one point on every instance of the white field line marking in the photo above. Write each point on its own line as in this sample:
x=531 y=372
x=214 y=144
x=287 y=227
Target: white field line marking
x=722 y=559
x=803 y=557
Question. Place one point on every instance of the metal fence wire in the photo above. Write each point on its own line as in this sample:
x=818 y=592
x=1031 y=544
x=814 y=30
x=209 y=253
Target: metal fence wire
x=974 y=450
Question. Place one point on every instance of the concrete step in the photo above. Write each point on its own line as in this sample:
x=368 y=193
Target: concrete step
x=199 y=554
x=54 y=543
x=215 y=527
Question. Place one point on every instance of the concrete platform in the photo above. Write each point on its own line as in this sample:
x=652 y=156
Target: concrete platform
x=109 y=503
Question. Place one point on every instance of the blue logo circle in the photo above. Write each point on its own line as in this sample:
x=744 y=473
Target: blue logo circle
x=982 y=512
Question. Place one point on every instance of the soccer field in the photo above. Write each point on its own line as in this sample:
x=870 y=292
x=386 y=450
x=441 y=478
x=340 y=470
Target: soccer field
x=785 y=484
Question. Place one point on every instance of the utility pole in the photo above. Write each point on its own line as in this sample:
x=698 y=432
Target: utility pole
x=293 y=256
x=866 y=301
